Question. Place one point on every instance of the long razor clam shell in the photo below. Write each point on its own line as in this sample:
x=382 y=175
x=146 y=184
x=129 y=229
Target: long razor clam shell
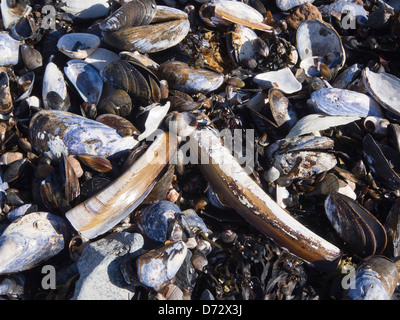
x=231 y=181
x=107 y=208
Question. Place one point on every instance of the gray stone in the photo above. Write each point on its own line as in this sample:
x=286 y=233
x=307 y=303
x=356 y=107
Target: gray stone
x=100 y=277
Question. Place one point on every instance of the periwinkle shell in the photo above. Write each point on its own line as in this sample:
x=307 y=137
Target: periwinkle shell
x=30 y=240
x=54 y=133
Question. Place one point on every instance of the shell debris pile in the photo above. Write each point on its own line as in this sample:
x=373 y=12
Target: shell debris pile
x=200 y=150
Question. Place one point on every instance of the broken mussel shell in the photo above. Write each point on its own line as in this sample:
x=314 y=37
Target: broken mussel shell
x=316 y=39
x=392 y=227
x=384 y=88
x=54 y=133
x=30 y=240
x=282 y=79
x=356 y=226
x=383 y=162
x=6 y=101
x=105 y=209
x=156 y=268
x=376 y=279
x=301 y=157
x=246 y=197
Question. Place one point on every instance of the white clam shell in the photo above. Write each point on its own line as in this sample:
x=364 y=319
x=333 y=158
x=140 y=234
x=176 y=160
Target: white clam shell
x=343 y=102
x=317 y=122
x=384 y=87
x=282 y=79
x=286 y=5
x=9 y=49
x=101 y=58
x=87 y=9
x=78 y=45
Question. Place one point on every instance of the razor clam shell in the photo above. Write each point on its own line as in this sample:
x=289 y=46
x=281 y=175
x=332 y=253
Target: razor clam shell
x=86 y=80
x=384 y=88
x=343 y=102
x=286 y=5
x=356 y=226
x=241 y=13
x=107 y=208
x=88 y=43
x=30 y=240
x=9 y=48
x=376 y=279
x=247 y=198
x=156 y=268
x=181 y=76
x=55 y=133
x=87 y=9
x=150 y=38
x=282 y=79
x=317 y=122
x=53 y=80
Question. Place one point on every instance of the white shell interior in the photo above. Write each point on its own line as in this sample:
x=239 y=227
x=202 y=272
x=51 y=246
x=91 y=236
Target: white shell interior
x=317 y=38
x=87 y=9
x=9 y=49
x=282 y=79
x=78 y=45
x=101 y=58
x=384 y=87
